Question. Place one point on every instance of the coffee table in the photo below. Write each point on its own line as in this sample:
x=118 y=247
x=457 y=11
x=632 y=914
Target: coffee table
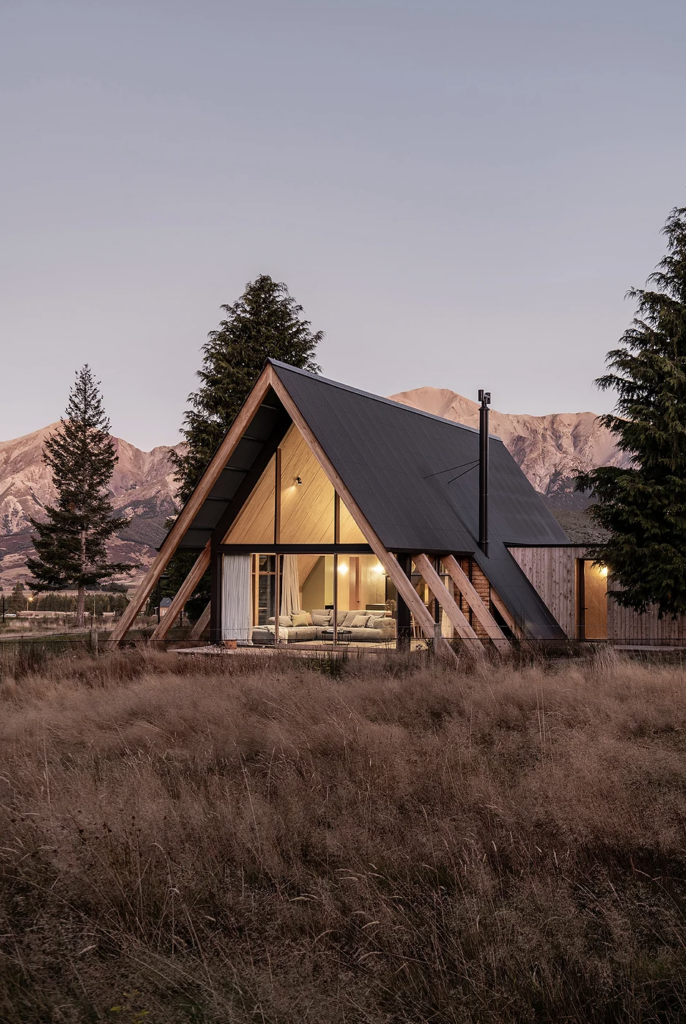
x=344 y=635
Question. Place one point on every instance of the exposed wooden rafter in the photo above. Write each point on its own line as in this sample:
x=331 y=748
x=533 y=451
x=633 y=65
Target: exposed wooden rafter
x=478 y=607
x=508 y=617
x=449 y=604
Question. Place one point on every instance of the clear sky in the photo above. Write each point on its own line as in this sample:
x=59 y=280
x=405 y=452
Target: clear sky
x=458 y=193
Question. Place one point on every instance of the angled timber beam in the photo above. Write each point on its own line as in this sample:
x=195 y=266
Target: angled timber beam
x=478 y=607
x=449 y=604
x=505 y=612
x=192 y=506
x=183 y=593
x=403 y=585
x=202 y=623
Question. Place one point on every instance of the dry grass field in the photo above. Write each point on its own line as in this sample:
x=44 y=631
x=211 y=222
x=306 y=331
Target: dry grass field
x=263 y=841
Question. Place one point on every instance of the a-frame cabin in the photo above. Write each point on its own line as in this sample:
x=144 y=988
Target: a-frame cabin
x=358 y=519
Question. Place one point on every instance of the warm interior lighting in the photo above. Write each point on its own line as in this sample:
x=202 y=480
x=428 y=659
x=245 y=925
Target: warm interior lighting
x=343 y=569
x=298 y=480
x=603 y=570
x=378 y=568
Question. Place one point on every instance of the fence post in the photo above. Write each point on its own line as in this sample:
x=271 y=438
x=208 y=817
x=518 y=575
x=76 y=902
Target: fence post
x=94 y=642
x=437 y=637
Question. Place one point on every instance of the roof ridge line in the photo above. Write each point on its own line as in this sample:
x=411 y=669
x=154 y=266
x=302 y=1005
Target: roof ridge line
x=380 y=398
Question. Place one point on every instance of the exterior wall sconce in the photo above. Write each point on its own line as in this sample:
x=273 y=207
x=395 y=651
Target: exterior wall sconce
x=298 y=481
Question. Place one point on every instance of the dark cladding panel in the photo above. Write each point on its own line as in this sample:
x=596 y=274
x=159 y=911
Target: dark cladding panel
x=245 y=454
x=228 y=483
x=194 y=540
x=264 y=420
x=209 y=515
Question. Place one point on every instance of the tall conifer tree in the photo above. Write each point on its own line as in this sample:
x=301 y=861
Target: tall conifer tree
x=266 y=322
x=71 y=543
x=644 y=506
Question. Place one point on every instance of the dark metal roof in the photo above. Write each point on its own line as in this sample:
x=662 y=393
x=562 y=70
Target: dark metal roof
x=415 y=478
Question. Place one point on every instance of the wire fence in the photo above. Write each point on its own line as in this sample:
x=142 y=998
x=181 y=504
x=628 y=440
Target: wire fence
x=27 y=653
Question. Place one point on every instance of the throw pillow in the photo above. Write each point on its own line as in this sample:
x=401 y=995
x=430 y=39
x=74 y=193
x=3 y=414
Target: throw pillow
x=375 y=622
x=321 y=620
x=348 y=619
x=302 y=619
x=359 y=622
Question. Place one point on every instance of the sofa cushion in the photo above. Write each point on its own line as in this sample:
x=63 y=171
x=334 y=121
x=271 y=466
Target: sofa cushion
x=321 y=619
x=359 y=621
x=284 y=620
x=349 y=618
x=302 y=619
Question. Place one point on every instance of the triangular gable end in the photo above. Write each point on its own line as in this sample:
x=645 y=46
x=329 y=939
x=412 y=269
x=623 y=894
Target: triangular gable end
x=293 y=502
x=239 y=474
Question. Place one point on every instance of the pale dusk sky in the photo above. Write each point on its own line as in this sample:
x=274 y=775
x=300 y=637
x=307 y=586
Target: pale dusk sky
x=459 y=194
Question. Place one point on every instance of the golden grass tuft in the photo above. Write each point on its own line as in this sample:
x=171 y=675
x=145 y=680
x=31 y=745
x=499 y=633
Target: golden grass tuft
x=256 y=840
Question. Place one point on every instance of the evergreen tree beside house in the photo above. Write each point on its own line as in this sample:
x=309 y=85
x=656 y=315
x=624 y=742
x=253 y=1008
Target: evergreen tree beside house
x=644 y=506
x=265 y=322
x=71 y=543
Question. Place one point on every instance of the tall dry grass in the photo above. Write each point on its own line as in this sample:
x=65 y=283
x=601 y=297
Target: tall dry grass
x=247 y=841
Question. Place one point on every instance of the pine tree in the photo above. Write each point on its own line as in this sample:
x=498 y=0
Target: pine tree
x=266 y=322
x=71 y=542
x=644 y=506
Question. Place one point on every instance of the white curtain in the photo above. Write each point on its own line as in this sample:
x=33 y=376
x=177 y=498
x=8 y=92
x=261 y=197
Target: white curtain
x=236 y=612
x=290 y=585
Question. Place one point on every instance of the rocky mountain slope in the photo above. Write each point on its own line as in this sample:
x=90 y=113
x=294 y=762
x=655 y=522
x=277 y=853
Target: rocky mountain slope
x=142 y=487
x=550 y=449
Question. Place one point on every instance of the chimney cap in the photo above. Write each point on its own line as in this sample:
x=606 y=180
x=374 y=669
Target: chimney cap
x=484 y=397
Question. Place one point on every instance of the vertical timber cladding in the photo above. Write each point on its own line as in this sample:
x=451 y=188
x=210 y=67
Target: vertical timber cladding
x=551 y=571
x=476 y=577
x=642 y=628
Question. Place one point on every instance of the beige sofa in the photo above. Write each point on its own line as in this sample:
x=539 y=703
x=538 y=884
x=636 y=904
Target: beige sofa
x=379 y=627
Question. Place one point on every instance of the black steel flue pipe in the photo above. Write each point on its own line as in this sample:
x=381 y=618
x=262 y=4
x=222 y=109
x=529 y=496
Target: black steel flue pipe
x=485 y=399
